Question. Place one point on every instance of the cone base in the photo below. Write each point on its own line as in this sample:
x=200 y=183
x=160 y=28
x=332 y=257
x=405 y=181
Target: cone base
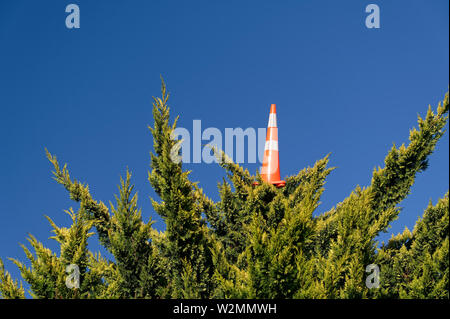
x=279 y=183
x=276 y=183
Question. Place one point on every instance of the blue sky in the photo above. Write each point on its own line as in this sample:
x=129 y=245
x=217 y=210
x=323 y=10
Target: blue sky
x=86 y=94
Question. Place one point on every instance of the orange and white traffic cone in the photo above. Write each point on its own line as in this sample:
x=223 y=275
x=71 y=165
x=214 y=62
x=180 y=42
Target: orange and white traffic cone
x=270 y=170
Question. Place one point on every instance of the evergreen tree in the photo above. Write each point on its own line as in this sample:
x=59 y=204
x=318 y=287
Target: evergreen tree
x=416 y=264
x=186 y=245
x=255 y=242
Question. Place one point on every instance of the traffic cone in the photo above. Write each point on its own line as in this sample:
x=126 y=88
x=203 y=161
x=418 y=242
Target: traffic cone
x=270 y=170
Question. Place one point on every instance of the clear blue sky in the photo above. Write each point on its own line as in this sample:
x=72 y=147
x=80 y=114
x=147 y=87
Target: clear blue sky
x=85 y=94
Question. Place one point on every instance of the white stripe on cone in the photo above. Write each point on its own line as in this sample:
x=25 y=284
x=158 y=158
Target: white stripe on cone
x=271 y=146
x=272 y=120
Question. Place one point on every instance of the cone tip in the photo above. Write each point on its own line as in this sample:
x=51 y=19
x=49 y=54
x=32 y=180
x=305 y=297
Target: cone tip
x=273 y=108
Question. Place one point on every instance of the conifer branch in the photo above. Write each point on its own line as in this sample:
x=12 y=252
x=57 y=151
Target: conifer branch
x=9 y=288
x=98 y=212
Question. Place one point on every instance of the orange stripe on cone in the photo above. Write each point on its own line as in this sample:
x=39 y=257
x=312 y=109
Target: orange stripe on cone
x=270 y=171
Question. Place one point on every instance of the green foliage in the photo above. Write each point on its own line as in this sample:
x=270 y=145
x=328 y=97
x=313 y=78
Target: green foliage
x=47 y=274
x=416 y=264
x=255 y=242
x=9 y=288
x=138 y=272
x=187 y=247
